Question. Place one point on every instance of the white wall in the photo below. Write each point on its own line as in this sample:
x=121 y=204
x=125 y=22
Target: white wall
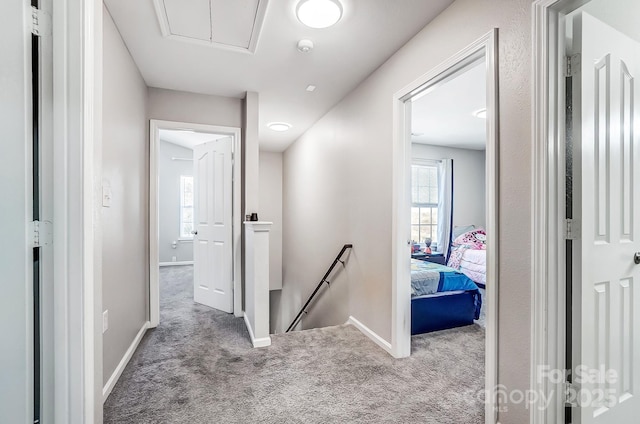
x=250 y=165
x=338 y=178
x=169 y=173
x=257 y=286
x=468 y=181
x=620 y=14
x=171 y=105
x=251 y=153
x=271 y=210
x=125 y=168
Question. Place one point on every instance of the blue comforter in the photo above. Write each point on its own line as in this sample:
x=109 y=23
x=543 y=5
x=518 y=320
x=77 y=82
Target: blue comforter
x=429 y=278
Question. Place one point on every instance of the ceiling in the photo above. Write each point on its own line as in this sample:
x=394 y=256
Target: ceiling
x=369 y=32
x=187 y=138
x=443 y=116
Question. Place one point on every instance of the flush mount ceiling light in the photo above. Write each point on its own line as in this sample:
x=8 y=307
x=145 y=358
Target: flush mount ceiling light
x=319 y=13
x=279 y=126
x=481 y=113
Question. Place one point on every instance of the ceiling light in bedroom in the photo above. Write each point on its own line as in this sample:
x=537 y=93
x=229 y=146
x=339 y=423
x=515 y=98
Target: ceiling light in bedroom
x=319 y=13
x=481 y=113
x=279 y=126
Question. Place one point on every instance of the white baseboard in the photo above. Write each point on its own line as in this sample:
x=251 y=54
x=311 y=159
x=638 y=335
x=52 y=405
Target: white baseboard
x=106 y=390
x=261 y=342
x=369 y=333
x=176 y=263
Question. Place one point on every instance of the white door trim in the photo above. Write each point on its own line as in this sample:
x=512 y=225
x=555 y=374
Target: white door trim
x=46 y=203
x=77 y=64
x=401 y=297
x=548 y=282
x=154 y=259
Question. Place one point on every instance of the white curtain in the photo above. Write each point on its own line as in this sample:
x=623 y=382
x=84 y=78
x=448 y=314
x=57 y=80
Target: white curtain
x=445 y=205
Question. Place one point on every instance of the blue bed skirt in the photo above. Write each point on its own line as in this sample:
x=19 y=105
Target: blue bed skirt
x=442 y=310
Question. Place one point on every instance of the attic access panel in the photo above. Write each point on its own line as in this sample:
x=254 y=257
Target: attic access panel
x=232 y=24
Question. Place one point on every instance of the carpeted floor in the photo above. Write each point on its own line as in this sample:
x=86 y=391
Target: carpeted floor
x=198 y=366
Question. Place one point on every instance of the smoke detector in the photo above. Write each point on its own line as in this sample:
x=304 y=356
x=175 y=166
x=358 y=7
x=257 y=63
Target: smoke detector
x=305 y=46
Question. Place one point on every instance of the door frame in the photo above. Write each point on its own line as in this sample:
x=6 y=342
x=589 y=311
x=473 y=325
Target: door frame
x=155 y=126
x=487 y=47
x=548 y=278
x=77 y=179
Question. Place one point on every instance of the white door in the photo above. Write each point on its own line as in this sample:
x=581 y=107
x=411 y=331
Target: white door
x=213 y=260
x=16 y=253
x=607 y=311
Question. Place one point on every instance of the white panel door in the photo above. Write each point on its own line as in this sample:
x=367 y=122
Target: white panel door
x=213 y=250
x=16 y=257
x=607 y=314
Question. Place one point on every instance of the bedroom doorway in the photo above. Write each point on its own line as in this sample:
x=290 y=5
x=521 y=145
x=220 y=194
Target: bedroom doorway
x=194 y=214
x=445 y=205
x=448 y=202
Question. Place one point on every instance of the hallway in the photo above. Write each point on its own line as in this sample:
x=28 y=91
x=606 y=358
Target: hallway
x=198 y=366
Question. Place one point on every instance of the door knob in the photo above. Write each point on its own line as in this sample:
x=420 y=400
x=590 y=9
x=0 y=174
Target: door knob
x=636 y=258
x=194 y=232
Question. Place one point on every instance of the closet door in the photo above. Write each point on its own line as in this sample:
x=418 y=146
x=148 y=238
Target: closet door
x=16 y=211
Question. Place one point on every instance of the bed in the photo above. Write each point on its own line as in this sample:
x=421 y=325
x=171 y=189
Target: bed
x=469 y=256
x=473 y=264
x=441 y=298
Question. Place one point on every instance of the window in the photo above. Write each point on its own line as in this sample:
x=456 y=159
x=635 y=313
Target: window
x=424 y=202
x=186 y=206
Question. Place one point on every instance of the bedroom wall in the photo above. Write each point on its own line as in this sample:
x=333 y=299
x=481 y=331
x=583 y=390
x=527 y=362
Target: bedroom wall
x=337 y=185
x=125 y=169
x=169 y=202
x=469 y=180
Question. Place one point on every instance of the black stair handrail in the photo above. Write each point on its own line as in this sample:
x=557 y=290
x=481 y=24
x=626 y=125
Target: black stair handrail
x=324 y=280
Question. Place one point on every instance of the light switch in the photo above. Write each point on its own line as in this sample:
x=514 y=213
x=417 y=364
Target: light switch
x=106 y=196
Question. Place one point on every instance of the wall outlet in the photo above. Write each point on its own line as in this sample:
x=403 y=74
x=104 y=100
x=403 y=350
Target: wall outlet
x=105 y=321
x=174 y=259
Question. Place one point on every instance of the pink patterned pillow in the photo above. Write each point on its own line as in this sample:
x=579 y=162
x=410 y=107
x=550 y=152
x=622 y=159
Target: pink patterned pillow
x=475 y=239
